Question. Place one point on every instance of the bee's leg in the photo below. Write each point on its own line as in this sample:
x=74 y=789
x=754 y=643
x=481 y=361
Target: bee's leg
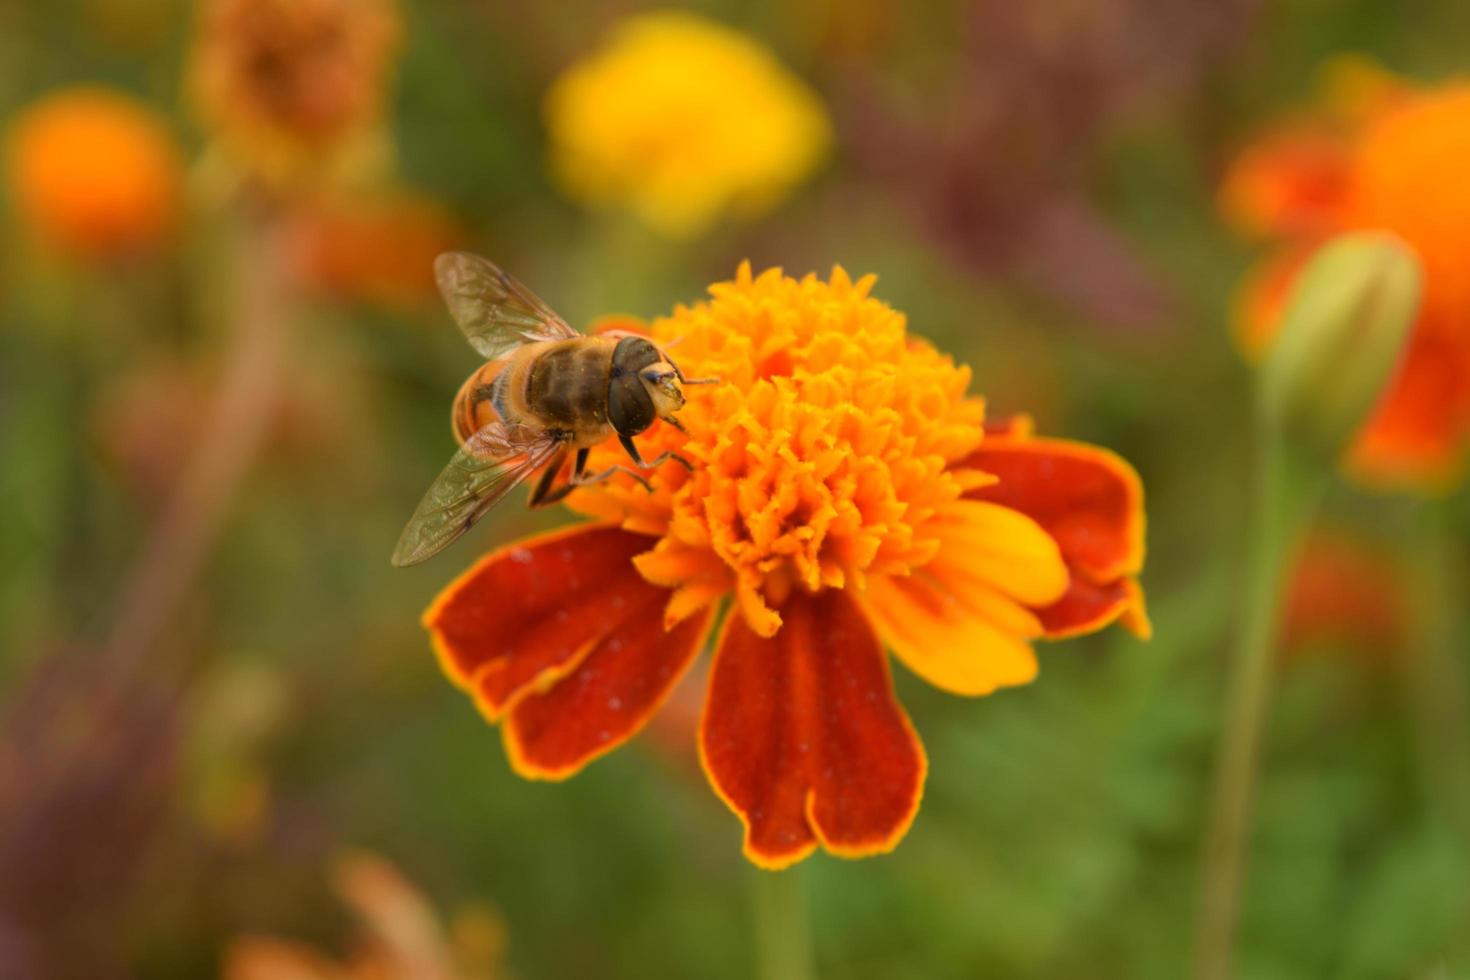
x=657 y=461
x=581 y=479
x=664 y=457
x=543 y=494
x=588 y=481
x=632 y=449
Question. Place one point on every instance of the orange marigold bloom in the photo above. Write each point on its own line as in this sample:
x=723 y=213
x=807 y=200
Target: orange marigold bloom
x=1389 y=161
x=94 y=172
x=848 y=495
x=293 y=90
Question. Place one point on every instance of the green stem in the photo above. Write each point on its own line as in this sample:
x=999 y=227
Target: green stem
x=233 y=434
x=783 y=942
x=1434 y=669
x=1282 y=500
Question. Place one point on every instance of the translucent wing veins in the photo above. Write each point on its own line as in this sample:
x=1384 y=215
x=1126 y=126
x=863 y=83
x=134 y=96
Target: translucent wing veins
x=490 y=463
x=496 y=313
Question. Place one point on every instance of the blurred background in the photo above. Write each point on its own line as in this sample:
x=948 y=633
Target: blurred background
x=226 y=748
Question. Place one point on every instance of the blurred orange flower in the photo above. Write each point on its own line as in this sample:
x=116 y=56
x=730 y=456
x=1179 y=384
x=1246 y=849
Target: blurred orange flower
x=1380 y=154
x=94 y=173
x=377 y=249
x=294 y=90
x=847 y=494
x=682 y=121
x=403 y=939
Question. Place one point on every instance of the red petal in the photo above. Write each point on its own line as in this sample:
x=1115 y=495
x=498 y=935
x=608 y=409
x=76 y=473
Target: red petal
x=529 y=613
x=1416 y=436
x=803 y=738
x=1089 y=499
x=608 y=698
x=1088 y=607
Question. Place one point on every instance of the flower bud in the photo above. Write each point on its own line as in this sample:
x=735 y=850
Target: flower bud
x=1342 y=337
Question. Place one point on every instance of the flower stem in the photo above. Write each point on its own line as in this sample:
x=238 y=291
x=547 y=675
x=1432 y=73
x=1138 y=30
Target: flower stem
x=233 y=432
x=1434 y=669
x=136 y=652
x=783 y=942
x=1283 y=499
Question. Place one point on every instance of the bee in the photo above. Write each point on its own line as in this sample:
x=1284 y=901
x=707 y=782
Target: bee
x=546 y=393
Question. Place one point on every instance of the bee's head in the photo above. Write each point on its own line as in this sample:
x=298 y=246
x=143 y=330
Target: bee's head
x=636 y=392
x=645 y=385
x=661 y=382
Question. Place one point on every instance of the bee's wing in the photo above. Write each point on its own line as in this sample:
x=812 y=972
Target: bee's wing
x=496 y=313
x=486 y=468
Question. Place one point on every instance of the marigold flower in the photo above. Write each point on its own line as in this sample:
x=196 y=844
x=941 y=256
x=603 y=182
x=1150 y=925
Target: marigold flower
x=1384 y=157
x=94 y=172
x=847 y=493
x=293 y=90
x=681 y=121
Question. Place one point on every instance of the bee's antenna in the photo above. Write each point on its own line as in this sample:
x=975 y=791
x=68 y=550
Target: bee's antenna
x=691 y=381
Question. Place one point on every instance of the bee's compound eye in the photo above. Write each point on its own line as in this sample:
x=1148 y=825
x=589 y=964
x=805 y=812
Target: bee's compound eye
x=630 y=406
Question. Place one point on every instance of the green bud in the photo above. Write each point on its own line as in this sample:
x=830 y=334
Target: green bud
x=1341 y=338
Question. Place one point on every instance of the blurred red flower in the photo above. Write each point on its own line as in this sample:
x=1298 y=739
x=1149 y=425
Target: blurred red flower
x=375 y=248
x=1344 y=591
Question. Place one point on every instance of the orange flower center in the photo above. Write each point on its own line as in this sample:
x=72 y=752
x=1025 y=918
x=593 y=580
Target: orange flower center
x=824 y=455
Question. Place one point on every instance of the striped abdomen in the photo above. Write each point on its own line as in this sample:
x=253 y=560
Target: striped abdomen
x=566 y=386
x=560 y=385
x=474 y=406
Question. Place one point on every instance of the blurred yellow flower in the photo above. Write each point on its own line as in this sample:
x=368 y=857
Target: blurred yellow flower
x=93 y=172
x=682 y=121
x=292 y=91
